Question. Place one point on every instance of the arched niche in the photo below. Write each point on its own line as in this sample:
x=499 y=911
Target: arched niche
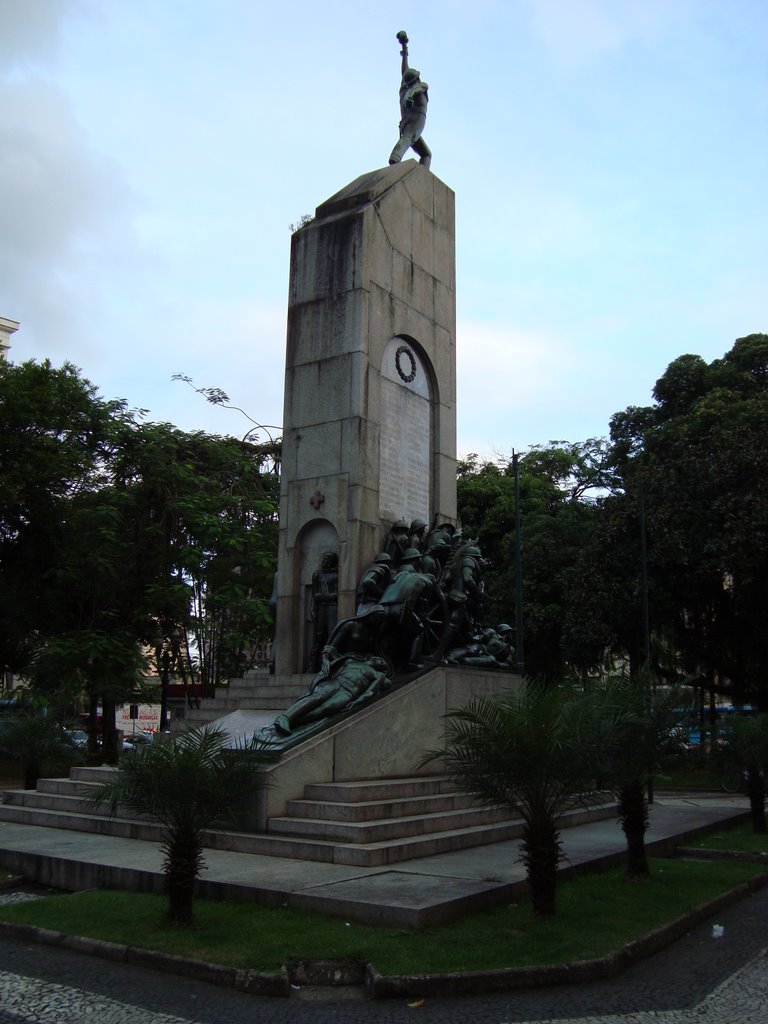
x=316 y=538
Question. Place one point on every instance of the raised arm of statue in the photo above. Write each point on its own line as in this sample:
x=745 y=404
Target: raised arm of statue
x=413 y=110
x=402 y=38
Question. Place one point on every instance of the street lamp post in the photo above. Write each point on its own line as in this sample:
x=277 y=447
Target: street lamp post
x=166 y=664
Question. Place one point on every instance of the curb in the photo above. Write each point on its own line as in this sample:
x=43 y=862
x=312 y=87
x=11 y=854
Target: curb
x=577 y=972
x=11 y=883
x=379 y=986
x=186 y=967
x=696 y=853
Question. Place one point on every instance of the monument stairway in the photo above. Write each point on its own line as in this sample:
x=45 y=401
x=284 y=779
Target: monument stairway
x=365 y=823
x=258 y=691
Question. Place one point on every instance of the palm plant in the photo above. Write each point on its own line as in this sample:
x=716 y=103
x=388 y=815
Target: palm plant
x=534 y=751
x=640 y=733
x=189 y=783
x=747 y=745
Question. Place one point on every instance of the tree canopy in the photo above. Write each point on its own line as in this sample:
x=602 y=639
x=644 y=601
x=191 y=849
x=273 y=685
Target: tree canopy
x=122 y=540
x=699 y=456
x=670 y=512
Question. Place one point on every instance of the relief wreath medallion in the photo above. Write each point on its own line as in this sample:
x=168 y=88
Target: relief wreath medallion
x=405 y=362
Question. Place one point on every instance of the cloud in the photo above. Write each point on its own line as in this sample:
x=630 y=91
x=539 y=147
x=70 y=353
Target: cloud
x=64 y=210
x=62 y=214
x=509 y=380
x=491 y=356
x=54 y=192
x=30 y=30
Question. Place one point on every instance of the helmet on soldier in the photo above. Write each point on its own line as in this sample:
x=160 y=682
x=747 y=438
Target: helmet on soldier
x=412 y=555
x=410 y=76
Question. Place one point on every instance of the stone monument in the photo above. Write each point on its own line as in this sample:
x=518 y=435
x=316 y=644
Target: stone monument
x=370 y=386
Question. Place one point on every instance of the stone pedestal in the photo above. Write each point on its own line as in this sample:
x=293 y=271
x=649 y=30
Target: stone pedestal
x=370 y=385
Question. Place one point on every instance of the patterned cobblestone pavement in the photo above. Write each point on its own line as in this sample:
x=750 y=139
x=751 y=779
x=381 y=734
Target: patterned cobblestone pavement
x=742 y=999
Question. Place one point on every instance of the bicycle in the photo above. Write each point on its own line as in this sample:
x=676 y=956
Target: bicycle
x=733 y=779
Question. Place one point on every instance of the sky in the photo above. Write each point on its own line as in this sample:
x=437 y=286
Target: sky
x=609 y=159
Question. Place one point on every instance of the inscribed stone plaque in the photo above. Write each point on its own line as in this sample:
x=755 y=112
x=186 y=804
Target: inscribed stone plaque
x=406 y=443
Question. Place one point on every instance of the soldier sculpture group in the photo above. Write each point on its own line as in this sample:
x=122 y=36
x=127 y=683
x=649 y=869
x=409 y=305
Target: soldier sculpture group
x=418 y=602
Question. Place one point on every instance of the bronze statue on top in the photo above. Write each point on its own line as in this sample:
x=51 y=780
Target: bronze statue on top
x=414 y=97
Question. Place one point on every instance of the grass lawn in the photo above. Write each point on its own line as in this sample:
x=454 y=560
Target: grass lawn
x=735 y=837
x=596 y=914
x=696 y=772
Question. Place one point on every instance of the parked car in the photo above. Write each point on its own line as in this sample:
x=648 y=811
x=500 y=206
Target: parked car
x=77 y=737
x=134 y=740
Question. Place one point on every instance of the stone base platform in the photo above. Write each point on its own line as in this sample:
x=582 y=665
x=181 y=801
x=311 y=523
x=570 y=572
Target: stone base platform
x=413 y=894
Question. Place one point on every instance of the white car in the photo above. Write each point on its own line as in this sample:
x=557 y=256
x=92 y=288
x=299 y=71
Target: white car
x=134 y=740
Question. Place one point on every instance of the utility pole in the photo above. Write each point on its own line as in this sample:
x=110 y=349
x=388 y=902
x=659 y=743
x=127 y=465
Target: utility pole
x=645 y=612
x=519 y=645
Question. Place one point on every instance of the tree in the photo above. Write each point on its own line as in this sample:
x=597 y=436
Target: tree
x=747 y=745
x=671 y=516
x=700 y=456
x=55 y=439
x=204 y=519
x=119 y=537
x=560 y=496
x=534 y=751
x=189 y=783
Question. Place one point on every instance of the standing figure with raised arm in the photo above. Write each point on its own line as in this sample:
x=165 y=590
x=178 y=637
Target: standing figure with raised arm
x=413 y=111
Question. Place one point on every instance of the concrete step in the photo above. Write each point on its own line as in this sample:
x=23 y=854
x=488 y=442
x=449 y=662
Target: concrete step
x=261 y=692
x=384 y=829
x=369 y=810
x=63 y=787
x=277 y=687
x=382 y=821
x=414 y=847
x=379 y=789
x=99 y=824
x=94 y=774
x=367 y=823
x=235 y=695
x=202 y=716
x=50 y=801
x=394 y=851
x=245 y=703
x=281 y=689
x=372 y=854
